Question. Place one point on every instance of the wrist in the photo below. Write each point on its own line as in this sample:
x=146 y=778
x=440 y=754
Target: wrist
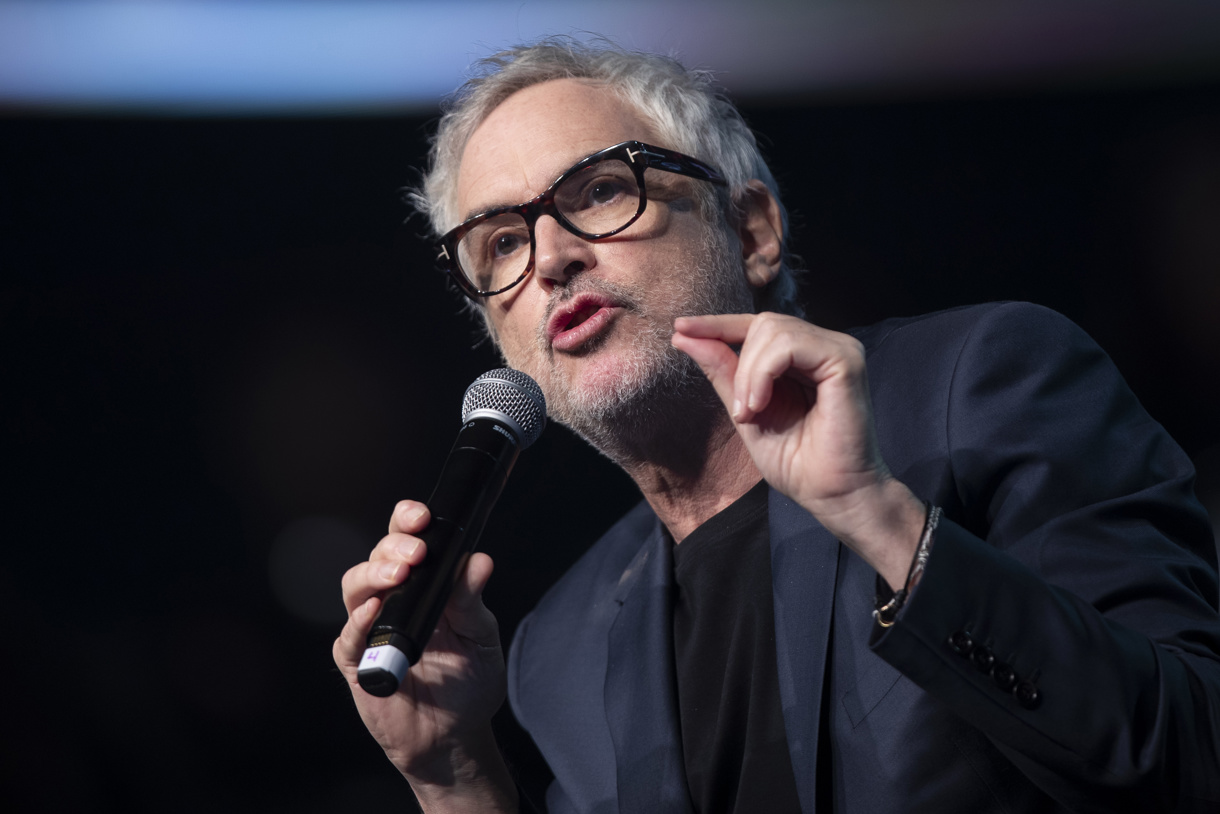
x=889 y=602
x=882 y=525
x=471 y=776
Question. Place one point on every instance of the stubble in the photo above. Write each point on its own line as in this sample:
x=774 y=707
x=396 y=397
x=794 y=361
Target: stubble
x=659 y=403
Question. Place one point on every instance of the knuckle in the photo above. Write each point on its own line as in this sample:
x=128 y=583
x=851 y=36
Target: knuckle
x=855 y=354
x=340 y=651
x=762 y=324
x=386 y=547
x=349 y=577
x=401 y=547
x=772 y=321
x=379 y=550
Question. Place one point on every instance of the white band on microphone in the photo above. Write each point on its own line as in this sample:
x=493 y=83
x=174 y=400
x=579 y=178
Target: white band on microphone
x=385 y=657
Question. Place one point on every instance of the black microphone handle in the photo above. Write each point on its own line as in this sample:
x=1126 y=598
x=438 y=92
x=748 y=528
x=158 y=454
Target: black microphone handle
x=473 y=477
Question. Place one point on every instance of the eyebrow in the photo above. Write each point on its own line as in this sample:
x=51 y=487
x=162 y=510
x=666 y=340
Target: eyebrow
x=508 y=205
x=513 y=204
x=484 y=210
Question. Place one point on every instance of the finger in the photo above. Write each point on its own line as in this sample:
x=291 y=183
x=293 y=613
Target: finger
x=409 y=517
x=781 y=346
x=730 y=328
x=468 y=592
x=466 y=613
x=353 y=639
x=402 y=547
x=763 y=358
x=371 y=578
x=778 y=346
x=752 y=384
x=717 y=361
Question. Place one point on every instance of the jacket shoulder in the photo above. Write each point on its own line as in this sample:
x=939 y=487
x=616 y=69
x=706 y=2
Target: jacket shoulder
x=953 y=326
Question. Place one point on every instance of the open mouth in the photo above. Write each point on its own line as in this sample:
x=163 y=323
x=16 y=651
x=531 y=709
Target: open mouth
x=581 y=315
x=579 y=321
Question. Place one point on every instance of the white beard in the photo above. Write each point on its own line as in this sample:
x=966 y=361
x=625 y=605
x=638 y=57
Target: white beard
x=659 y=396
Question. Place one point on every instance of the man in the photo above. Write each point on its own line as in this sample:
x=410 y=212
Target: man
x=1044 y=645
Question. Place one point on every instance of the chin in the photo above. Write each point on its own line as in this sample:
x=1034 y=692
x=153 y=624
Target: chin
x=608 y=379
x=613 y=394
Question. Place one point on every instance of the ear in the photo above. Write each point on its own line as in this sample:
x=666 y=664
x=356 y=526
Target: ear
x=760 y=227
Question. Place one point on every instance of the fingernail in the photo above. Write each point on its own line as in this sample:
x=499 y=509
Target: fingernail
x=390 y=570
x=415 y=515
x=736 y=408
x=407 y=549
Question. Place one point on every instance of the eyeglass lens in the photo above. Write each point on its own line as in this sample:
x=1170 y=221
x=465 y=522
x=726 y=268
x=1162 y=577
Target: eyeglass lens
x=597 y=199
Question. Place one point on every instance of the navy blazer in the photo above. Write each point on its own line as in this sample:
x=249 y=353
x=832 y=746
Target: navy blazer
x=1073 y=561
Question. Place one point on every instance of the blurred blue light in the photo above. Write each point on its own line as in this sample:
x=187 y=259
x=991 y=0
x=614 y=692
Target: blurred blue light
x=275 y=56
x=227 y=54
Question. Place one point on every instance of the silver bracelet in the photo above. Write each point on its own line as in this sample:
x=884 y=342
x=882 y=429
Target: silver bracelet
x=886 y=613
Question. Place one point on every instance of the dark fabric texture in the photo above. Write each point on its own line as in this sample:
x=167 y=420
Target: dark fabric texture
x=1072 y=554
x=729 y=711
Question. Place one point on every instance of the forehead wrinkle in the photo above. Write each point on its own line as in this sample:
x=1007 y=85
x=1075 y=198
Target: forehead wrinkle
x=497 y=172
x=515 y=157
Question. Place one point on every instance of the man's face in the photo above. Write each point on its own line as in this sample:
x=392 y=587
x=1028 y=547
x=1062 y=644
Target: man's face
x=592 y=322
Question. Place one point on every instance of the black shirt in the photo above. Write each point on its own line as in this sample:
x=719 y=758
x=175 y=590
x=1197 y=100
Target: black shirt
x=732 y=724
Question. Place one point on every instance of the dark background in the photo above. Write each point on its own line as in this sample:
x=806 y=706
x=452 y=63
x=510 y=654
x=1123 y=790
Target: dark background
x=218 y=378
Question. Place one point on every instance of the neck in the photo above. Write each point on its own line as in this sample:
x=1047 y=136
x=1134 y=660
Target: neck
x=675 y=439
x=689 y=464
x=686 y=497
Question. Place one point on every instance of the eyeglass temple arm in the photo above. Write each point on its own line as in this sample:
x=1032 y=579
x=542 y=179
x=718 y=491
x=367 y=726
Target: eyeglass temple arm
x=670 y=161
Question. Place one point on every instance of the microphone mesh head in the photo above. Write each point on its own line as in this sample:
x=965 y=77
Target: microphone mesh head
x=511 y=397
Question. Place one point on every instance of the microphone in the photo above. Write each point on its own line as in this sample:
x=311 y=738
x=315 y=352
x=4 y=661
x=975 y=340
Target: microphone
x=503 y=412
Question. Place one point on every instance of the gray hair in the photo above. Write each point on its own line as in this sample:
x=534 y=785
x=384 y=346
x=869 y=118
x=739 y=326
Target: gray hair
x=685 y=108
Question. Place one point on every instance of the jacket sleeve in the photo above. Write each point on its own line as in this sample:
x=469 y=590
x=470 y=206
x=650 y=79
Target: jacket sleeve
x=1069 y=606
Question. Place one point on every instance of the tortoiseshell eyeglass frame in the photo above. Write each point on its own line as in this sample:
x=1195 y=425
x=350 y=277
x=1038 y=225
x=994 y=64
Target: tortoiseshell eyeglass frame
x=635 y=154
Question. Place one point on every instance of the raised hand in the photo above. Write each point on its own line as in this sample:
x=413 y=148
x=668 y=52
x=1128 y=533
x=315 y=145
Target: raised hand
x=798 y=395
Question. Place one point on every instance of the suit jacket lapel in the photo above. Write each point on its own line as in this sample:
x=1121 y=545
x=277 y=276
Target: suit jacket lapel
x=804 y=562
x=641 y=702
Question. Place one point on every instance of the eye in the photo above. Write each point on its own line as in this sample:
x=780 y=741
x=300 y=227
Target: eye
x=606 y=185
x=492 y=242
x=605 y=191
x=506 y=243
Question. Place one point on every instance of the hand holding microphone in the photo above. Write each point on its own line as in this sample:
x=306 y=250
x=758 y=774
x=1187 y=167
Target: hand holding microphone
x=502 y=413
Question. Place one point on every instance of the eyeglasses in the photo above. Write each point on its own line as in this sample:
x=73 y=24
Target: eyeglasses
x=600 y=196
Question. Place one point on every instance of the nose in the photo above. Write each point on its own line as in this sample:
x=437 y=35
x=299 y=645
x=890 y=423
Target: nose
x=559 y=254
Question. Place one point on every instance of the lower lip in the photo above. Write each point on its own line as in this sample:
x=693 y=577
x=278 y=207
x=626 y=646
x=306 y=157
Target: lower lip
x=575 y=337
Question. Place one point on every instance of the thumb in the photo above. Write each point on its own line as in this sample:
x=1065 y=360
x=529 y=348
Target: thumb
x=468 y=591
x=466 y=612
x=717 y=361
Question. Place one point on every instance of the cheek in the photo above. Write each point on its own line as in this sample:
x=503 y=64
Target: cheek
x=516 y=358
x=514 y=337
